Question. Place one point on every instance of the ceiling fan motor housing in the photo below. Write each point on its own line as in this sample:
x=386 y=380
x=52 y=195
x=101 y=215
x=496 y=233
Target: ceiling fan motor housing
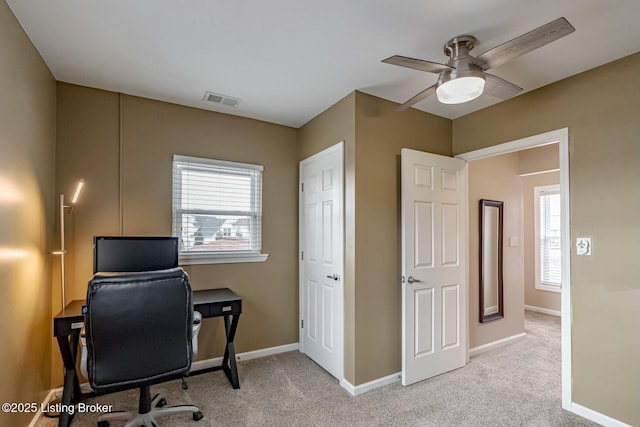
x=458 y=50
x=462 y=69
x=453 y=46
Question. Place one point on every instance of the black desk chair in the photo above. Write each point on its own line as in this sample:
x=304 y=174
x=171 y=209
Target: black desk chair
x=138 y=332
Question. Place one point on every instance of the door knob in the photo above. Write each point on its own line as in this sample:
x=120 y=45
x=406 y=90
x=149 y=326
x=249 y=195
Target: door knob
x=410 y=279
x=333 y=276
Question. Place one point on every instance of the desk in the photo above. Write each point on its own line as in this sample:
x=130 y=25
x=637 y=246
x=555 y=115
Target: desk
x=66 y=328
x=210 y=303
x=215 y=303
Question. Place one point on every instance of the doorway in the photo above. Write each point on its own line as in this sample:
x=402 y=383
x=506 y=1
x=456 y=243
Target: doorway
x=561 y=137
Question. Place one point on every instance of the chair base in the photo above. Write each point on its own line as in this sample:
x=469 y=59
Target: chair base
x=134 y=419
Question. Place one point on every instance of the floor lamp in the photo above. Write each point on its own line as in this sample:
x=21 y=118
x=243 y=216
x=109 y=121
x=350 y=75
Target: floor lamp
x=63 y=209
x=62 y=251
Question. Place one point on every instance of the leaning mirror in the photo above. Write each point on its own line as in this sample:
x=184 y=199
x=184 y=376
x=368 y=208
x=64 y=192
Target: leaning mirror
x=491 y=303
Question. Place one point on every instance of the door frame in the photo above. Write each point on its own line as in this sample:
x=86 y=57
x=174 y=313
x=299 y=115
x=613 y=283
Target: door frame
x=339 y=147
x=560 y=136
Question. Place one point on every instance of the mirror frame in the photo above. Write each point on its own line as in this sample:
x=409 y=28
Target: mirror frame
x=500 y=314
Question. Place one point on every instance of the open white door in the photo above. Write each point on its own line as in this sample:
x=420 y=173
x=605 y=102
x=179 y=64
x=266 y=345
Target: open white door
x=321 y=259
x=434 y=288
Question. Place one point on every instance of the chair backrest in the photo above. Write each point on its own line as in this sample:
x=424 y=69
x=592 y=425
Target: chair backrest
x=138 y=328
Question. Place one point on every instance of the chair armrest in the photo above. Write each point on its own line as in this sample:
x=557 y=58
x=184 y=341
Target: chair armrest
x=83 y=353
x=197 y=323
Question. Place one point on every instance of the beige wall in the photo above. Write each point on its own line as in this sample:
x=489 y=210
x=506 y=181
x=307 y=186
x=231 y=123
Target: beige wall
x=373 y=136
x=380 y=135
x=539 y=159
x=27 y=209
x=532 y=296
x=336 y=124
x=600 y=107
x=496 y=178
x=122 y=146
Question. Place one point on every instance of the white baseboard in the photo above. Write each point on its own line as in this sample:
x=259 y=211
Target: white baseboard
x=363 y=388
x=597 y=417
x=216 y=361
x=48 y=398
x=543 y=310
x=495 y=344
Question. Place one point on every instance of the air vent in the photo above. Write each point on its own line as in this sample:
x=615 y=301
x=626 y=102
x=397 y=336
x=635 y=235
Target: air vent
x=217 y=98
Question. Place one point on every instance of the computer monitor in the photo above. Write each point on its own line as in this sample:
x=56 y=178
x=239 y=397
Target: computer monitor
x=118 y=253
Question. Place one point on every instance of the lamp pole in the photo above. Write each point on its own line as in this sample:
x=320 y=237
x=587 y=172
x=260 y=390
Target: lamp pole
x=63 y=250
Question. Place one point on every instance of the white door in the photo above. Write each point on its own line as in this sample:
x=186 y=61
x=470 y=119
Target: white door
x=434 y=288
x=321 y=258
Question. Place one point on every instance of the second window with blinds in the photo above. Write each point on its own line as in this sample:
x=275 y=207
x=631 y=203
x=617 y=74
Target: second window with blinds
x=217 y=210
x=548 y=240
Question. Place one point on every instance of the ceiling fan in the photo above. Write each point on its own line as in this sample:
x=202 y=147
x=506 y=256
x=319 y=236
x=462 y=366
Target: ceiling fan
x=463 y=77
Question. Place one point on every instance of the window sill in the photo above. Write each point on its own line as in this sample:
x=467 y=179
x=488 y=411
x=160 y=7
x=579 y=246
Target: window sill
x=548 y=288
x=220 y=258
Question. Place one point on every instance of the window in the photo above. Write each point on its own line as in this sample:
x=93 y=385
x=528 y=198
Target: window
x=548 y=239
x=217 y=210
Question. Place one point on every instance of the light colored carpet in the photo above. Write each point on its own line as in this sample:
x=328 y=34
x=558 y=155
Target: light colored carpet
x=517 y=385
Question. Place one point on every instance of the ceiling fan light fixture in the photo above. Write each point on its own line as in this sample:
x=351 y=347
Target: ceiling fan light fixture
x=456 y=88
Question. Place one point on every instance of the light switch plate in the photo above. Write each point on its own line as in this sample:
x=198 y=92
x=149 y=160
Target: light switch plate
x=583 y=246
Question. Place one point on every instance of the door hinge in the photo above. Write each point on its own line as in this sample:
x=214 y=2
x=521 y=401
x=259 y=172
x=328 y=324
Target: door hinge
x=402 y=279
x=301 y=255
x=302 y=187
x=302 y=323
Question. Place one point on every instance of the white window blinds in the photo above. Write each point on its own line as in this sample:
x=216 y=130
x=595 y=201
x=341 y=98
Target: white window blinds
x=549 y=244
x=217 y=205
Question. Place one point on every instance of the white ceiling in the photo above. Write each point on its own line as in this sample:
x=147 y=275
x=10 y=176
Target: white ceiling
x=289 y=60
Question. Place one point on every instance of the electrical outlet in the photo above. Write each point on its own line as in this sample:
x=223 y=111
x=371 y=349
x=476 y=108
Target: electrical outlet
x=583 y=246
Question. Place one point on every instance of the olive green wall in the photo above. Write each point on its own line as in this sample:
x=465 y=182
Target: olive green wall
x=601 y=109
x=27 y=214
x=123 y=146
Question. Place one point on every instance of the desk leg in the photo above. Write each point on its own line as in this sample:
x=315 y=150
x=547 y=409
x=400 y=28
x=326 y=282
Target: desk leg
x=229 y=363
x=71 y=391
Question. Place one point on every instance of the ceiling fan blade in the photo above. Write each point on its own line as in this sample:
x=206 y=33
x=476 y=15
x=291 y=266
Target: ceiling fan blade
x=500 y=88
x=524 y=44
x=419 y=97
x=416 y=64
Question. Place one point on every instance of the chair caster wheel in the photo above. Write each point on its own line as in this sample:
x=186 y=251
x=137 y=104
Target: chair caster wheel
x=162 y=402
x=103 y=423
x=184 y=385
x=197 y=416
